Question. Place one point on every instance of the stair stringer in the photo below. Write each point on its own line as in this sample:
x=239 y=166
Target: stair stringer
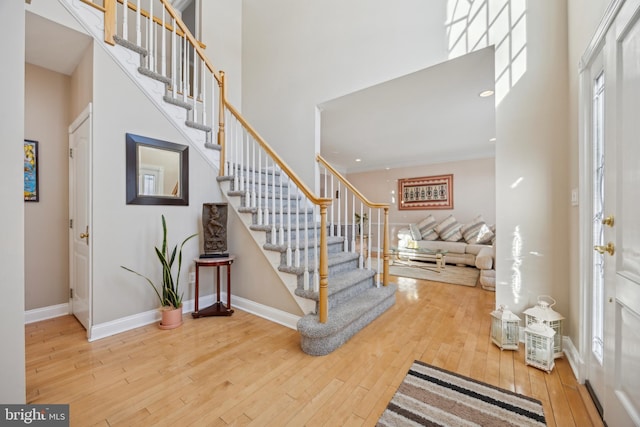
x=288 y=280
x=92 y=21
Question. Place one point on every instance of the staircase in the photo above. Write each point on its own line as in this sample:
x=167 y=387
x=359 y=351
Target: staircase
x=327 y=261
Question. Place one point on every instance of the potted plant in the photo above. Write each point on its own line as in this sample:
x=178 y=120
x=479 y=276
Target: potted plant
x=169 y=295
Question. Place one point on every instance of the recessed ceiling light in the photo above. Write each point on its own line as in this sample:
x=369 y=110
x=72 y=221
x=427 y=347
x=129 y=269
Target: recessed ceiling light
x=492 y=140
x=486 y=93
x=358 y=160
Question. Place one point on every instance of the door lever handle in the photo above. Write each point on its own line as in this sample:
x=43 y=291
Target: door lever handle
x=609 y=248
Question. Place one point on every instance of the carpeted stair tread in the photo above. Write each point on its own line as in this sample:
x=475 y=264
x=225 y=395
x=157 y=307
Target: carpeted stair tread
x=310 y=243
x=344 y=321
x=199 y=126
x=332 y=260
x=339 y=283
x=130 y=45
x=178 y=102
x=152 y=74
x=343 y=314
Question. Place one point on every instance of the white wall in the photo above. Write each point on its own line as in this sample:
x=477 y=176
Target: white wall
x=47 y=222
x=125 y=234
x=222 y=34
x=12 y=358
x=82 y=84
x=296 y=55
x=532 y=161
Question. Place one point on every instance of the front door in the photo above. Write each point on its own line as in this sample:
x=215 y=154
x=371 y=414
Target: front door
x=595 y=375
x=80 y=218
x=621 y=243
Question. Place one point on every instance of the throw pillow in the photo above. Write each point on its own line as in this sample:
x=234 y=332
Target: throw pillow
x=449 y=229
x=477 y=231
x=427 y=228
x=415 y=232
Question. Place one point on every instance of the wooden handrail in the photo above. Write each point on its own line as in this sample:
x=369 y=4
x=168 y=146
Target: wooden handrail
x=307 y=192
x=92 y=4
x=347 y=184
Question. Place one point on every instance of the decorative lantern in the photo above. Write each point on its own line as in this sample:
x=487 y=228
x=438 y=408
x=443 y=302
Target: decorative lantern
x=543 y=312
x=505 y=329
x=538 y=346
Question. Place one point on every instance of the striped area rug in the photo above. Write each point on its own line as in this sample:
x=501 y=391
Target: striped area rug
x=430 y=396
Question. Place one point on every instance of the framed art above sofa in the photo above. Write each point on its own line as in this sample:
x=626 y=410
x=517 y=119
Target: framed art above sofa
x=427 y=192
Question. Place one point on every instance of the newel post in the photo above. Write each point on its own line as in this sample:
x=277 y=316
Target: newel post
x=385 y=249
x=221 y=143
x=323 y=296
x=110 y=21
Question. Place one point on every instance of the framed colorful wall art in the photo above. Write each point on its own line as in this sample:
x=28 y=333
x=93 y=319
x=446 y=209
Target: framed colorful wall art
x=31 y=187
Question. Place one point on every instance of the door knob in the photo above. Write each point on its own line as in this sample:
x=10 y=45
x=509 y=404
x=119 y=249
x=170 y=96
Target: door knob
x=608 y=248
x=608 y=221
x=85 y=235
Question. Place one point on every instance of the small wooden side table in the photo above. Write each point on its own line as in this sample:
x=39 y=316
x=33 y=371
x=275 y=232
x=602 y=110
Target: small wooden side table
x=217 y=308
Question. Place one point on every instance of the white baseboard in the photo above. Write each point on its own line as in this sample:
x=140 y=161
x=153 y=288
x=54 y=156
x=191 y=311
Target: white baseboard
x=117 y=326
x=574 y=359
x=124 y=324
x=44 y=313
x=277 y=316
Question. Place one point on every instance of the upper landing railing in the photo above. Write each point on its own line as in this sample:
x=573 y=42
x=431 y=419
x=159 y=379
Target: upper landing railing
x=175 y=56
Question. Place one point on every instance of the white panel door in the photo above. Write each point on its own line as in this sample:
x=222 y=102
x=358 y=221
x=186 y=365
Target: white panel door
x=80 y=218
x=622 y=201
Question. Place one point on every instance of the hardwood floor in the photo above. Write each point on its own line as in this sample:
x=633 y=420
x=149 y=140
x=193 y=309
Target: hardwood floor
x=244 y=370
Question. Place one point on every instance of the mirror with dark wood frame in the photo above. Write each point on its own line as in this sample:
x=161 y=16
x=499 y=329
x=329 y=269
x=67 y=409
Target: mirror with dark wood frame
x=157 y=171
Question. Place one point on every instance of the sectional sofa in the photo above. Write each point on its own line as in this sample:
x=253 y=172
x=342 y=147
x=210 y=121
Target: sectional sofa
x=470 y=244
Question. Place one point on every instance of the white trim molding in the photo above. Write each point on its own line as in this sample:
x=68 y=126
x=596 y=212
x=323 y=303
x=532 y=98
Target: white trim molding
x=44 y=313
x=124 y=324
x=575 y=360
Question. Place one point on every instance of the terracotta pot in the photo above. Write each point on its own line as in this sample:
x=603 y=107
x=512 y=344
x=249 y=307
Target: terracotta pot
x=171 y=317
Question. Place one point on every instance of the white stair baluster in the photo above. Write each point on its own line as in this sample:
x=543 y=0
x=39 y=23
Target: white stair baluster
x=296 y=257
x=361 y=229
x=353 y=224
x=273 y=205
x=125 y=21
x=253 y=173
x=138 y=29
x=306 y=244
x=183 y=86
x=290 y=211
x=316 y=245
x=331 y=217
x=259 y=196
x=204 y=97
x=378 y=249
x=163 y=50
x=368 y=251
x=195 y=86
x=150 y=37
x=243 y=168
x=281 y=240
x=174 y=62
x=346 y=220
